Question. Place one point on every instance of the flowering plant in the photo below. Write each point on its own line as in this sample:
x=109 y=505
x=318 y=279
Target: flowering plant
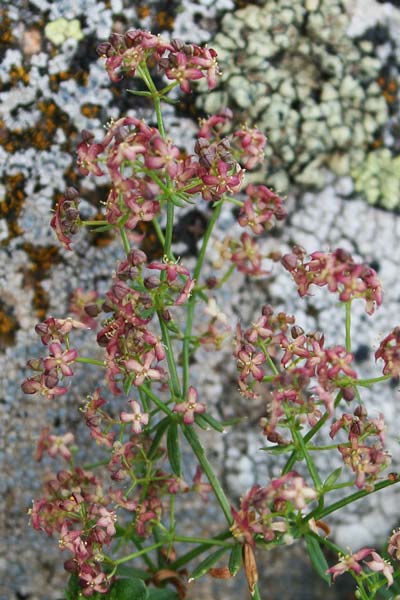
x=145 y=402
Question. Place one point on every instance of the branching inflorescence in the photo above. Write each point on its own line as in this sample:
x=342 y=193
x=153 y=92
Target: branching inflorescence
x=145 y=401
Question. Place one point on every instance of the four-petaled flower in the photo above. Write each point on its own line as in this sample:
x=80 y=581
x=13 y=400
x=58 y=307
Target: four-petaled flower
x=190 y=407
x=143 y=370
x=136 y=417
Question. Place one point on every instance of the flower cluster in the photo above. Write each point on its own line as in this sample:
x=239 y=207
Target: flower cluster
x=145 y=397
x=48 y=371
x=366 y=460
x=264 y=510
x=351 y=562
x=76 y=508
x=338 y=271
x=180 y=62
x=389 y=352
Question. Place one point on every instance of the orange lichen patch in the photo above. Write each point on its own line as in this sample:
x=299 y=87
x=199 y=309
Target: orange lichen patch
x=8 y=325
x=18 y=74
x=40 y=135
x=389 y=89
x=81 y=77
x=11 y=206
x=42 y=258
x=165 y=20
x=6 y=36
x=40 y=301
x=143 y=11
x=91 y=110
x=378 y=143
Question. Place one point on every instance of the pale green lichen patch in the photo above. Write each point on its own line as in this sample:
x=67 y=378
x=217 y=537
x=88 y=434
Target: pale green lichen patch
x=60 y=30
x=378 y=179
x=291 y=69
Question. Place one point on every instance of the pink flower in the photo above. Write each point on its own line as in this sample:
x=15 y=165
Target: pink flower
x=389 y=352
x=162 y=155
x=143 y=371
x=54 y=444
x=43 y=385
x=191 y=407
x=350 y=562
x=171 y=268
x=185 y=292
x=202 y=488
x=380 y=565
x=136 y=417
x=60 y=360
x=88 y=153
x=252 y=143
x=394 y=544
x=183 y=70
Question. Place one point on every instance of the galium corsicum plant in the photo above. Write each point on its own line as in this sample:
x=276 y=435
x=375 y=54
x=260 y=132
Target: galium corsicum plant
x=116 y=520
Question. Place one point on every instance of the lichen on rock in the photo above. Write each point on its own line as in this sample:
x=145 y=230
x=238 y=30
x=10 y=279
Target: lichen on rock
x=292 y=69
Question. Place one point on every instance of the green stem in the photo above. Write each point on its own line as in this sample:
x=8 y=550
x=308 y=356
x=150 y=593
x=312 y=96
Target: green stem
x=321 y=514
x=348 y=325
x=368 y=382
x=94 y=223
x=146 y=550
x=175 y=385
x=169 y=230
x=159 y=232
x=256 y=593
x=204 y=547
x=198 y=450
x=192 y=300
x=156 y=400
x=320 y=448
x=90 y=361
x=198 y=540
x=299 y=440
x=227 y=275
x=293 y=457
x=124 y=238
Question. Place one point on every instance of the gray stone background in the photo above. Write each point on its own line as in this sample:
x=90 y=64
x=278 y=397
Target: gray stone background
x=320 y=77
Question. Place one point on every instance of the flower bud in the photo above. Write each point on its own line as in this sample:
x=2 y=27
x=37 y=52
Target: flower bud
x=92 y=310
x=137 y=257
x=289 y=261
x=152 y=282
x=166 y=315
x=296 y=331
x=211 y=282
x=348 y=394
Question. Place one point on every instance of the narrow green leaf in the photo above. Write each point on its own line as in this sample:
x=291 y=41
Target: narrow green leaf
x=173 y=449
x=332 y=478
x=172 y=326
x=209 y=421
x=101 y=228
x=128 y=589
x=207 y=563
x=139 y=93
x=160 y=430
x=128 y=383
x=278 y=449
x=317 y=557
x=235 y=559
